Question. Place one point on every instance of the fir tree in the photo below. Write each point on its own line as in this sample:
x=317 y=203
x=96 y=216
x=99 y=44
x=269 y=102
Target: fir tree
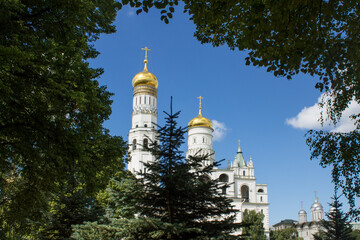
x=338 y=226
x=179 y=200
x=181 y=191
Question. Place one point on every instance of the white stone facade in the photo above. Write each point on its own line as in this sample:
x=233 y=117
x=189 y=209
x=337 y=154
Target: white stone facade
x=143 y=127
x=243 y=189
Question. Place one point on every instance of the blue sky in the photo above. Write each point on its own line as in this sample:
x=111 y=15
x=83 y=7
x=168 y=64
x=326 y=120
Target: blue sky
x=249 y=103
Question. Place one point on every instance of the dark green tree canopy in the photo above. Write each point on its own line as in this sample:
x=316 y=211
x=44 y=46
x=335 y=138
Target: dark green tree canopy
x=287 y=37
x=51 y=106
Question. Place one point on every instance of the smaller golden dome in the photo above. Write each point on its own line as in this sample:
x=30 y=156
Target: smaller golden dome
x=200 y=121
x=145 y=78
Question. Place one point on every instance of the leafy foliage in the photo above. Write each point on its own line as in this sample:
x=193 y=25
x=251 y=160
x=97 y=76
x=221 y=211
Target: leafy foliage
x=51 y=106
x=253 y=222
x=356 y=234
x=338 y=226
x=132 y=229
x=284 y=234
x=73 y=206
x=121 y=196
x=341 y=151
x=287 y=37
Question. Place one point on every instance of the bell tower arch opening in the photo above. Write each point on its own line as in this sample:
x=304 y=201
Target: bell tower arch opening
x=245 y=193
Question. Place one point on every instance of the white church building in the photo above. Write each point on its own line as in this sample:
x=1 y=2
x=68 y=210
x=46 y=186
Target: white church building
x=244 y=191
x=307 y=229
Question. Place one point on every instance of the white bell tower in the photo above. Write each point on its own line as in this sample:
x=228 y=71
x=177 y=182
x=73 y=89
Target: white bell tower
x=200 y=138
x=317 y=212
x=144 y=118
x=302 y=215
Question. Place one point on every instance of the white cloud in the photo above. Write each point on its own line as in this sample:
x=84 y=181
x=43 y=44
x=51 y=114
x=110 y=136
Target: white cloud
x=346 y=124
x=308 y=118
x=219 y=130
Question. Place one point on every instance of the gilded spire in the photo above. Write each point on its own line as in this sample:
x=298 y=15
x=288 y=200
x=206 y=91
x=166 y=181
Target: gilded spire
x=301 y=205
x=146 y=49
x=239 y=147
x=316 y=199
x=200 y=98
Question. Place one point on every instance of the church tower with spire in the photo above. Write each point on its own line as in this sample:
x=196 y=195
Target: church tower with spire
x=302 y=216
x=200 y=137
x=144 y=117
x=317 y=212
x=243 y=189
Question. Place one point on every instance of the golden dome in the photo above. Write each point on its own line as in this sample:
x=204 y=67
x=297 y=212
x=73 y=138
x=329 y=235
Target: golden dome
x=145 y=78
x=200 y=121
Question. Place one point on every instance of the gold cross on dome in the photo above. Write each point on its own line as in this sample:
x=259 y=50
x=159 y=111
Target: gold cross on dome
x=146 y=49
x=200 y=97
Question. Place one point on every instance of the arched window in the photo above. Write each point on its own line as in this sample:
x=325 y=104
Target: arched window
x=145 y=125
x=261 y=199
x=203 y=140
x=245 y=193
x=145 y=143
x=134 y=144
x=262 y=211
x=243 y=173
x=261 y=190
x=194 y=140
x=223 y=178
